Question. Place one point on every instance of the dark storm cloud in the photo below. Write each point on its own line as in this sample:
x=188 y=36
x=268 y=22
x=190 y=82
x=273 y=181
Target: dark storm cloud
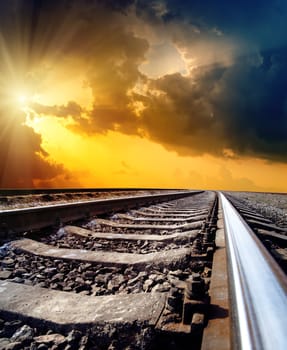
x=257 y=19
x=241 y=108
x=253 y=105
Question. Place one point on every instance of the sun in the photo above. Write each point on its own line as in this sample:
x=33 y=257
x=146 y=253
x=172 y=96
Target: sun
x=23 y=100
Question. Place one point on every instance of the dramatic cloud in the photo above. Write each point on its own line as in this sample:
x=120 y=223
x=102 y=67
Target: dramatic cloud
x=221 y=91
x=241 y=108
x=232 y=102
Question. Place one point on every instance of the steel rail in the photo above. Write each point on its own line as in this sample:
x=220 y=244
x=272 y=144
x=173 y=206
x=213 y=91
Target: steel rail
x=28 y=219
x=258 y=288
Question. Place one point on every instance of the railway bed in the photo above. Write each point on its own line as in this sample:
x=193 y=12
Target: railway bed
x=133 y=284
x=145 y=273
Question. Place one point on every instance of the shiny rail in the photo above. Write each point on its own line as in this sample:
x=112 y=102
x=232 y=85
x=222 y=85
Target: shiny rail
x=258 y=288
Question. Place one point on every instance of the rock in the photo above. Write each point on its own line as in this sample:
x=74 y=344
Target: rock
x=83 y=344
x=27 y=275
x=101 y=279
x=18 y=280
x=136 y=288
x=4 y=342
x=114 y=345
x=69 y=347
x=64 y=245
x=129 y=271
x=4 y=250
x=145 y=244
x=42 y=347
x=160 y=278
x=123 y=291
x=28 y=282
x=176 y=282
x=50 y=339
x=153 y=276
x=96 y=290
x=58 y=277
x=165 y=287
x=147 y=285
x=20 y=271
x=14 y=346
x=82 y=287
x=23 y=335
x=72 y=274
x=50 y=271
x=90 y=274
x=112 y=286
x=80 y=280
x=40 y=277
x=41 y=284
x=97 y=245
x=67 y=289
x=115 y=282
x=177 y=273
x=70 y=284
x=85 y=292
x=107 y=269
x=8 y=262
x=140 y=276
x=73 y=337
x=10 y=328
x=5 y=274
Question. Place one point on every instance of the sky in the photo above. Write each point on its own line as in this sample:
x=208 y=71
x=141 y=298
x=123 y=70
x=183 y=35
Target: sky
x=134 y=93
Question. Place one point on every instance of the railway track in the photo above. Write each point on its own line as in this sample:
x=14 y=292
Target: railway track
x=134 y=273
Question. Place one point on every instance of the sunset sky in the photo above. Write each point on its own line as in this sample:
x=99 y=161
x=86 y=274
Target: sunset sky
x=135 y=93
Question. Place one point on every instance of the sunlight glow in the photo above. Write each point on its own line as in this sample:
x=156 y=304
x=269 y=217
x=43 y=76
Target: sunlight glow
x=23 y=100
